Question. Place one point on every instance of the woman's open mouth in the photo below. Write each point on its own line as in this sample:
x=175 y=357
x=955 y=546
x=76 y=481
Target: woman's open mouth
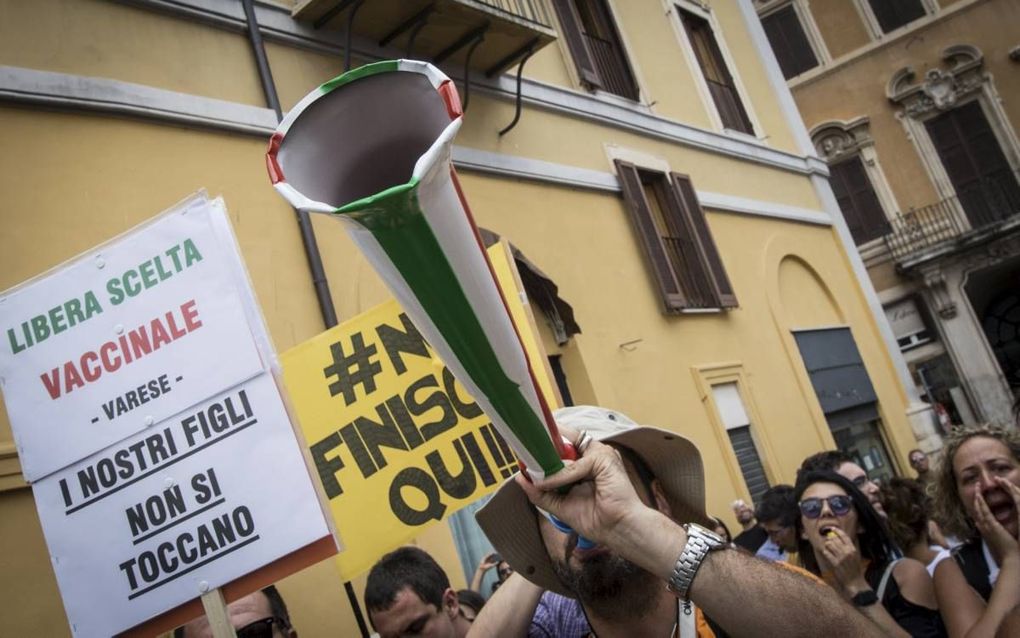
x=1004 y=512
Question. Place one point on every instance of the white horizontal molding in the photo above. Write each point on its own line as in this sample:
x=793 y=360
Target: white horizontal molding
x=748 y=206
x=100 y=94
x=76 y=93
x=275 y=23
x=471 y=159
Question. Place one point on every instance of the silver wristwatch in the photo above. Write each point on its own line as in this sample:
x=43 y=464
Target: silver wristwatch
x=700 y=542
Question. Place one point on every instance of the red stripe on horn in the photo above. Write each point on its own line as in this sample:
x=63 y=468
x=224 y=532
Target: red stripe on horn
x=550 y=422
x=448 y=90
x=275 y=174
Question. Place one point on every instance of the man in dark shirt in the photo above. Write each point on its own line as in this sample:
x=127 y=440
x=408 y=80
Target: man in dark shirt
x=753 y=536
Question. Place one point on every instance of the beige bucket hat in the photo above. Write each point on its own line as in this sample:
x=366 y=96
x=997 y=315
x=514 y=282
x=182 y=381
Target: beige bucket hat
x=511 y=521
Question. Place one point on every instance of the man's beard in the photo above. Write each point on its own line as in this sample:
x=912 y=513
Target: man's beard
x=610 y=587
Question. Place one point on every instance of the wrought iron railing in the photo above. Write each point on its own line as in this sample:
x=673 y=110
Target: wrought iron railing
x=975 y=208
x=534 y=11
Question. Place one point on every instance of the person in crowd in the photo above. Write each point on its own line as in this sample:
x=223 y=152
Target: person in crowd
x=843 y=464
x=909 y=519
x=844 y=541
x=262 y=614
x=919 y=461
x=503 y=571
x=719 y=527
x=976 y=499
x=408 y=593
x=744 y=514
x=471 y=602
x=638 y=497
x=751 y=536
x=777 y=515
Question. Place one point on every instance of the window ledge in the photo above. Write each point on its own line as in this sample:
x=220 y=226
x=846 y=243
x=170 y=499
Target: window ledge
x=747 y=137
x=619 y=100
x=700 y=311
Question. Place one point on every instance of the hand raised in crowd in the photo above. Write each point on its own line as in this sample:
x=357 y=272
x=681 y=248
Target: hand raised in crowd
x=600 y=495
x=1001 y=543
x=842 y=555
x=488 y=562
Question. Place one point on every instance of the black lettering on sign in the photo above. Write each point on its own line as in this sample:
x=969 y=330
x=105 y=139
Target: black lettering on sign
x=460 y=485
x=172 y=559
x=490 y=442
x=432 y=401
x=478 y=459
x=467 y=410
x=358 y=368
x=156 y=510
x=328 y=466
x=358 y=450
x=205 y=486
x=396 y=341
x=415 y=484
x=404 y=421
x=415 y=478
x=508 y=454
x=382 y=434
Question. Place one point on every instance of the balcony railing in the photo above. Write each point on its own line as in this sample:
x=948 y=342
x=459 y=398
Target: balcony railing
x=975 y=209
x=489 y=36
x=533 y=11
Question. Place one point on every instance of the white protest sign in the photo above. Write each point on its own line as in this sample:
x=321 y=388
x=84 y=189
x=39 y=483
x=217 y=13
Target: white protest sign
x=139 y=382
x=120 y=338
x=185 y=506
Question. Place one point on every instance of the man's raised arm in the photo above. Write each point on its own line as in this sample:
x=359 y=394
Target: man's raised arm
x=509 y=611
x=745 y=595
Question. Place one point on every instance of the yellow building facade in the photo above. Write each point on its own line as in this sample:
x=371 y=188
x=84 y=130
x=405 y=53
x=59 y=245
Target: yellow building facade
x=915 y=108
x=658 y=173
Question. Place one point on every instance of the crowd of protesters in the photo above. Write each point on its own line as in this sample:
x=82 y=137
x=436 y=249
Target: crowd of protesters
x=835 y=553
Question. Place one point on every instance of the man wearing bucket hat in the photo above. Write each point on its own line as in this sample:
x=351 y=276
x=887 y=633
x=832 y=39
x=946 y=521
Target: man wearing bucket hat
x=638 y=494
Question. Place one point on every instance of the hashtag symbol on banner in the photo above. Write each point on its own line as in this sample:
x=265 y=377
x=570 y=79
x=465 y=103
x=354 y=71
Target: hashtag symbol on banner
x=352 y=370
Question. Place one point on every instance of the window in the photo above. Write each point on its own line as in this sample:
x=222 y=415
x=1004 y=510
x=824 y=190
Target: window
x=858 y=182
x=738 y=428
x=857 y=200
x=674 y=232
x=970 y=153
x=595 y=44
x=838 y=376
x=893 y=14
x=909 y=326
x=789 y=42
x=713 y=67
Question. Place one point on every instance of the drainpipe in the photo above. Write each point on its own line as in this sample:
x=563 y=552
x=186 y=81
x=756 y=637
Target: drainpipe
x=319 y=279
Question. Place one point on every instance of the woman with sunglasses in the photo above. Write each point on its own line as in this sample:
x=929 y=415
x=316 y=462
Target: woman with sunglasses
x=975 y=497
x=845 y=542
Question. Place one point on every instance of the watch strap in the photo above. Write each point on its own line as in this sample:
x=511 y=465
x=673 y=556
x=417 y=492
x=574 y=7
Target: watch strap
x=700 y=542
x=865 y=598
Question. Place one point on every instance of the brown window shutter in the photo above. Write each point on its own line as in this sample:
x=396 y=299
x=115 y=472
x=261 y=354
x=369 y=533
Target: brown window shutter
x=717 y=76
x=857 y=200
x=570 y=23
x=893 y=14
x=673 y=298
x=695 y=218
x=789 y=42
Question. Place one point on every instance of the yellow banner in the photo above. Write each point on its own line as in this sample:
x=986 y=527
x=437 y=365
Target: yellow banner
x=396 y=441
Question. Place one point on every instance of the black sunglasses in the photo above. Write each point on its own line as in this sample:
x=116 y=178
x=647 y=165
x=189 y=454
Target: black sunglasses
x=262 y=628
x=840 y=504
